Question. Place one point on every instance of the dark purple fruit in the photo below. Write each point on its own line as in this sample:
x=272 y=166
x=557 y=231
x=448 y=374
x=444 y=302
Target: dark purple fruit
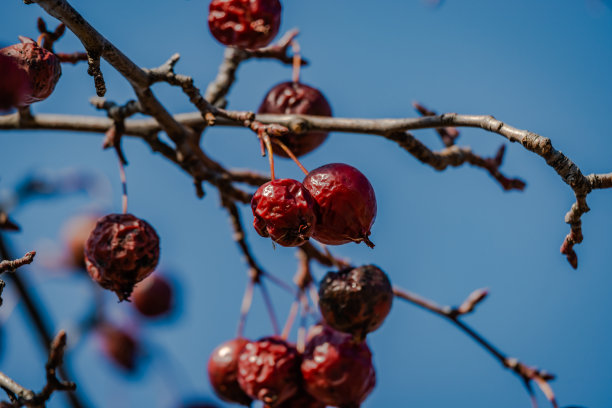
x=223 y=372
x=153 y=297
x=296 y=98
x=355 y=300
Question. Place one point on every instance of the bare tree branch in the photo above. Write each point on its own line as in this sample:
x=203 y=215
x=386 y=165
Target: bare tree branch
x=20 y=396
x=526 y=373
x=11 y=266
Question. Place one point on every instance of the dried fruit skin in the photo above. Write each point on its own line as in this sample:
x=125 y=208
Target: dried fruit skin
x=14 y=84
x=284 y=211
x=355 y=300
x=120 y=347
x=42 y=68
x=337 y=370
x=297 y=98
x=153 y=296
x=248 y=24
x=223 y=372
x=300 y=400
x=346 y=204
x=269 y=370
x=121 y=251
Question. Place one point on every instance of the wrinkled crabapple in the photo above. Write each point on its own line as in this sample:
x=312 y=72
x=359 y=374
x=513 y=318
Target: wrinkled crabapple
x=346 y=204
x=42 y=68
x=153 y=297
x=223 y=371
x=119 y=346
x=269 y=370
x=355 y=300
x=14 y=84
x=297 y=98
x=121 y=251
x=248 y=24
x=336 y=369
x=284 y=211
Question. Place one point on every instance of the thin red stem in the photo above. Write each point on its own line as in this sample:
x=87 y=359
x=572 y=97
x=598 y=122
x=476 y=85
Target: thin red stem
x=268 y=144
x=297 y=61
x=293 y=311
x=291 y=155
x=124 y=194
x=247 y=300
x=268 y=301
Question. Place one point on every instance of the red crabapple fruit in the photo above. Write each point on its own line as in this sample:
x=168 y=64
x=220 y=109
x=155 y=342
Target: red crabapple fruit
x=153 y=296
x=355 y=300
x=297 y=98
x=337 y=370
x=248 y=24
x=121 y=251
x=223 y=371
x=14 y=84
x=284 y=211
x=346 y=204
x=42 y=68
x=269 y=370
x=119 y=346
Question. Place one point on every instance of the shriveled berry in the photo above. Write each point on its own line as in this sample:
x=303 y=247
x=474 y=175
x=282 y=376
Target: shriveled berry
x=346 y=204
x=14 y=84
x=284 y=211
x=269 y=370
x=355 y=300
x=223 y=372
x=300 y=400
x=248 y=24
x=337 y=370
x=153 y=297
x=119 y=346
x=75 y=233
x=297 y=98
x=121 y=251
x=42 y=68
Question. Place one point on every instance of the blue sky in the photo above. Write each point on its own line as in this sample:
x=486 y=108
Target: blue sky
x=543 y=66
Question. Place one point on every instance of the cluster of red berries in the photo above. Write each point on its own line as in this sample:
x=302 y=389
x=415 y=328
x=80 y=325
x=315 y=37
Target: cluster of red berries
x=334 y=204
x=336 y=366
x=28 y=74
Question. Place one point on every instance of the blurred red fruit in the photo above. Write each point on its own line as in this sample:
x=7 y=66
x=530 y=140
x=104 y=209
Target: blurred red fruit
x=119 y=346
x=153 y=296
x=121 y=251
x=246 y=24
x=42 y=68
x=75 y=233
x=14 y=84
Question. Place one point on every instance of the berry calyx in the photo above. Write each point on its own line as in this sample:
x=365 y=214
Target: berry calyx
x=355 y=300
x=41 y=66
x=121 y=251
x=14 y=84
x=269 y=370
x=284 y=211
x=297 y=98
x=223 y=372
x=248 y=24
x=337 y=370
x=119 y=346
x=153 y=297
x=346 y=204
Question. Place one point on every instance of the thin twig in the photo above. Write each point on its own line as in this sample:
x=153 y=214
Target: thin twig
x=11 y=266
x=526 y=373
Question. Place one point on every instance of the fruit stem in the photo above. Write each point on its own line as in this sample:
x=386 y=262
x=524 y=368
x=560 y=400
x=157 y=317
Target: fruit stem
x=124 y=194
x=290 y=154
x=268 y=143
x=293 y=311
x=367 y=241
x=297 y=61
x=268 y=301
x=247 y=300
